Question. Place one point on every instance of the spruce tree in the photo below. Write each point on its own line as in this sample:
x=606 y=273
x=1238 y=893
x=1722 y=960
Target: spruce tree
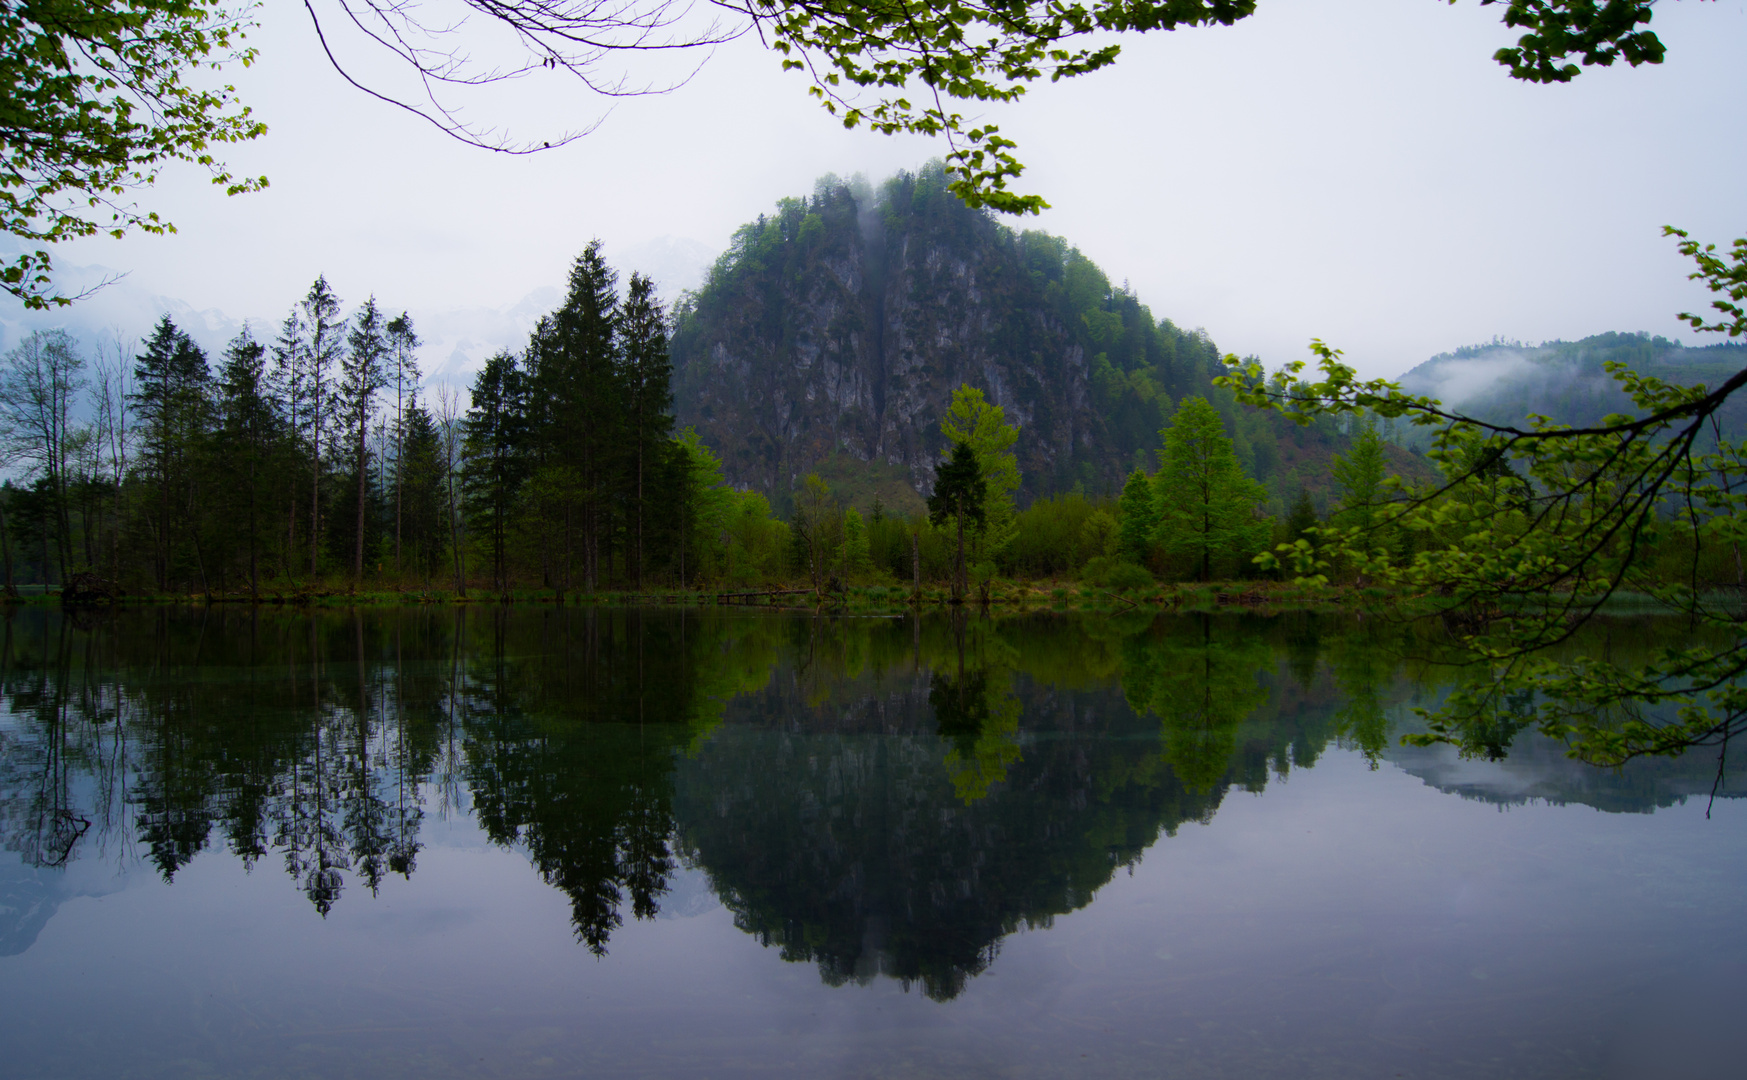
x=361 y=375
x=493 y=457
x=323 y=343
x=248 y=426
x=403 y=342
x=959 y=494
x=286 y=382
x=169 y=399
x=648 y=382
x=1137 y=513
x=575 y=409
x=420 y=476
x=1207 y=506
x=971 y=419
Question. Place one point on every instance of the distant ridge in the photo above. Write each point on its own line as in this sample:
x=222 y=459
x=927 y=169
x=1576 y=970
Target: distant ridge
x=1503 y=382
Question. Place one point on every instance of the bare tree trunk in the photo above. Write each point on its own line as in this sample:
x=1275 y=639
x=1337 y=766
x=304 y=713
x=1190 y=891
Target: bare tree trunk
x=363 y=482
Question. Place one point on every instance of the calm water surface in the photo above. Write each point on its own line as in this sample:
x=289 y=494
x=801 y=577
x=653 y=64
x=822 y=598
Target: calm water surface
x=542 y=842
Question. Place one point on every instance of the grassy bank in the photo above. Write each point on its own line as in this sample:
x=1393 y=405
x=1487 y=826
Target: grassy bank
x=1017 y=595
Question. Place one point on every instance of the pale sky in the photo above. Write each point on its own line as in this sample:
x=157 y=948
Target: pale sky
x=1355 y=170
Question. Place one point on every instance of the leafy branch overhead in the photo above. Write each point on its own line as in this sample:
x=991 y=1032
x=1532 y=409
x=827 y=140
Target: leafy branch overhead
x=915 y=62
x=96 y=97
x=1534 y=526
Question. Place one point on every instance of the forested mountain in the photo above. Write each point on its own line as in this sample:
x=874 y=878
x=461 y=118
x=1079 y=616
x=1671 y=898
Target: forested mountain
x=830 y=336
x=1505 y=381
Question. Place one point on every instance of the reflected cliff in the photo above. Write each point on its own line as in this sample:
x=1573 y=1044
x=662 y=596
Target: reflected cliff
x=874 y=796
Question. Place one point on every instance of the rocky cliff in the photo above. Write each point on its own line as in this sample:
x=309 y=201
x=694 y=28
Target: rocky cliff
x=831 y=335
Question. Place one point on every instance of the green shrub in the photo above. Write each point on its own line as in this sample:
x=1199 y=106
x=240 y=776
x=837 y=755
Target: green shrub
x=1110 y=572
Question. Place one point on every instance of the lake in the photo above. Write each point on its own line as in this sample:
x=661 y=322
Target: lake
x=545 y=842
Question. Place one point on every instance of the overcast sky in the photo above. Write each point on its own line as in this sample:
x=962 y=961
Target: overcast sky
x=1356 y=170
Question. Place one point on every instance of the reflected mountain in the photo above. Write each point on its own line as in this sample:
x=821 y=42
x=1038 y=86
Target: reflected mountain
x=872 y=796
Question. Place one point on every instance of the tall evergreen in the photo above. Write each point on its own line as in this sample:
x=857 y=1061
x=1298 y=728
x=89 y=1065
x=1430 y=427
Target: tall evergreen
x=493 y=458
x=959 y=496
x=322 y=343
x=361 y=375
x=403 y=342
x=248 y=424
x=648 y=380
x=1208 y=508
x=576 y=411
x=419 y=490
x=169 y=399
x=1138 y=517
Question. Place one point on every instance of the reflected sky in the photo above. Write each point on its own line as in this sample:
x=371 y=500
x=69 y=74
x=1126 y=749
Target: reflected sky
x=1041 y=847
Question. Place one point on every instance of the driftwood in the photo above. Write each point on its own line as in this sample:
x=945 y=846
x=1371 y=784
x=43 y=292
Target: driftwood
x=754 y=596
x=85 y=589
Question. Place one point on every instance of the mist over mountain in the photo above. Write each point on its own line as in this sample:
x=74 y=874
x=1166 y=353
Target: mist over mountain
x=1504 y=382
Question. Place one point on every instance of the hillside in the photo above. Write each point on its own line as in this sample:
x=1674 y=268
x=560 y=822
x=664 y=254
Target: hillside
x=832 y=333
x=1504 y=382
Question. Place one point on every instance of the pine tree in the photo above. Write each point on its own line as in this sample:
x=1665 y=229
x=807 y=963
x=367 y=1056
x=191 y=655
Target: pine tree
x=648 y=381
x=576 y=409
x=1207 y=506
x=972 y=420
x=855 y=549
x=1137 y=512
x=169 y=402
x=323 y=342
x=960 y=493
x=493 y=458
x=403 y=342
x=286 y=380
x=249 y=426
x=361 y=375
x=420 y=475
x=1359 y=474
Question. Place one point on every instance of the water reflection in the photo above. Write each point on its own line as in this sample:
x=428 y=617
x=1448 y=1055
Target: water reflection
x=873 y=796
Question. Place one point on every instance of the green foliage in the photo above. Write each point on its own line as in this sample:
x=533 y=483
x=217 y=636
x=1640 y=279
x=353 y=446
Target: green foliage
x=960 y=495
x=97 y=99
x=1138 y=513
x=1208 y=509
x=817 y=525
x=971 y=420
x=856 y=560
x=1535 y=525
x=1114 y=572
x=953 y=52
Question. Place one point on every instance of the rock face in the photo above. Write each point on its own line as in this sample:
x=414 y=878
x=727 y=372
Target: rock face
x=831 y=336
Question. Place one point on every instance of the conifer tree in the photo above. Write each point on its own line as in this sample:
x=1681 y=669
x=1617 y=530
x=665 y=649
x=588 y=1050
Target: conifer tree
x=169 y=400
x=402 y=343
x=972 y=420
x=575 y=407
x=290 y=392
x=323 y=342
x=1359 y=474
x=1137 y=512
x=361 y=376
x=648 y=380
x=493 y=462
x=247 y=424
x=960 y=493
x=1207 y=506
x=420 y=476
